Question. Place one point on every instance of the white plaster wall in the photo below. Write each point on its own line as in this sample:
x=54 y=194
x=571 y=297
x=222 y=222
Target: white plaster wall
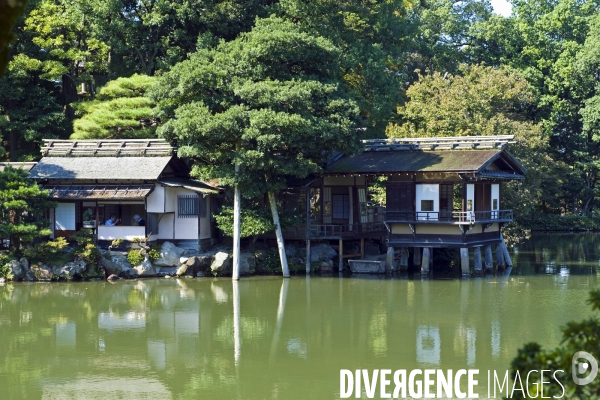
x=185 y=228
x=496 y=196
x=165 y=227
x=428 y=192
x=156 y=199
x=171 y=198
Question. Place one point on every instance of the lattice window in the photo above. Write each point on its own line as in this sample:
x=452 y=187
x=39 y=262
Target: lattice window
x=188 y=206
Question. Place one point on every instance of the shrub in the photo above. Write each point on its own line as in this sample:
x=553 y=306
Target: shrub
x=83 y=236
x=136 y=256
x=48 y=252
x=89 y=253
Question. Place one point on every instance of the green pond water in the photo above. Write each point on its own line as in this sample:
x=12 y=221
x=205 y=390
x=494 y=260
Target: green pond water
x=270 y=338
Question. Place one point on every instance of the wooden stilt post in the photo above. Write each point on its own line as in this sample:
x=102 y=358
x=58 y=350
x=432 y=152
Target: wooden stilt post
x=477 y=260
x=362 y=248
x=341 y=262
x=507 y=259
x=416 y=256
x=464 y=261
x=425 y=261
x=500 y=256
x=403 y=259
x=389 y=260
x=489 y=263
x=307 y=256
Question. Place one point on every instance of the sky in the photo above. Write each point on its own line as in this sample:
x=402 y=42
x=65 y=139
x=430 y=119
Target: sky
x=502 y=7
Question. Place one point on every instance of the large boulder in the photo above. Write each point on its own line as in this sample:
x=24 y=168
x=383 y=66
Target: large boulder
x=16 y=270
x=24 y=264
x=42 y=272
x=322 y=251
x=120 y=259
x=115 y=268
x=169 y=255
x=221 y=263
x=247 y=263
x=181 y=270
x=198 y=264
x=70 y=269
x=145 y=268
x=325 y=266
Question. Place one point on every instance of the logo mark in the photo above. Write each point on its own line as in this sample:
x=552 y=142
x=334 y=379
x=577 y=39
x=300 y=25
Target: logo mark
x=580 y=368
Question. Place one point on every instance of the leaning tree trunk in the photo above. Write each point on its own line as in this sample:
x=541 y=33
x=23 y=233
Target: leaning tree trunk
x=280 y=242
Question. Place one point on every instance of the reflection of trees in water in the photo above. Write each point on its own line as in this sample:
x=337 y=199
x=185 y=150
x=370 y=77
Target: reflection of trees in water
x=548 y=253
x=290 y=331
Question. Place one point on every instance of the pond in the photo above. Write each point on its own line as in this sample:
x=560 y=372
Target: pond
x=270 y=338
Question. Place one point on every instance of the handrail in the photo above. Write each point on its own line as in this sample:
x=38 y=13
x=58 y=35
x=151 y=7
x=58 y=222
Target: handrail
x=332 y=230
x=454 y=217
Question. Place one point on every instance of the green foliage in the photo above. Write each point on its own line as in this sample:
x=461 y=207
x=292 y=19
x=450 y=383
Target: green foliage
x=376 y=190
x=481 y=101
x=270 y=100
x=49 y=252
x=136 y=256
x=116 y=243
x=570 y=222
x=256 y=219
x=88 y=253
x=88 y=214
x=83 y=237
x=577 y=336
x=120 y=111
x=9 y=12
x=22 y=207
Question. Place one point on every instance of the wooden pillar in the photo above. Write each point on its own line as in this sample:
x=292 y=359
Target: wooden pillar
x=507 y=259
x=477 y=260
x=464 y=261
x=307 y=256
x=362 y=248
x=500 y=256
x=403 y=258
x=341 y=262
x=416 y=256
x=489 y=263
x=425 y=261
x=389 y=260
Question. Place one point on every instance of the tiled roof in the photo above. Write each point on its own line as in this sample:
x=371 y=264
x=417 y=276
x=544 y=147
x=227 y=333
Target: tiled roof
x=379 y=162
x=88 y=192
x=113 y=168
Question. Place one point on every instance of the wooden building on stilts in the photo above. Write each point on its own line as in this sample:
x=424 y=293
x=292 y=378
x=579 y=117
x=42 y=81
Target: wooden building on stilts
x=440 y=193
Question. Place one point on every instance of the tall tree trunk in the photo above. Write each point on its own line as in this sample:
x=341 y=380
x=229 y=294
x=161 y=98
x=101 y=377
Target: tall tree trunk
x=14 y=145
x=236 y=226
x=279 y=234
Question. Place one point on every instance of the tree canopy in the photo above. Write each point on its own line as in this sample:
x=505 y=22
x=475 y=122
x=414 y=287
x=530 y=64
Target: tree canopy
x=121 y=110
x=269 y=100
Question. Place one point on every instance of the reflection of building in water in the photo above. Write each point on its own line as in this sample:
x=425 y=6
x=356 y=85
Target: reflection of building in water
x=177 y=336
x=428 y=345
x=131 y=320
x=66 y=334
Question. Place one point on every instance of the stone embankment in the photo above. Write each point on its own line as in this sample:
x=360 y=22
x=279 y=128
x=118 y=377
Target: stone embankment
x=173 y=262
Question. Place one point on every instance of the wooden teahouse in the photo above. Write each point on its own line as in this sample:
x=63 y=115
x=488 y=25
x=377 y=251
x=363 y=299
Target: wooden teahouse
x=93 y=179
x=440 y=193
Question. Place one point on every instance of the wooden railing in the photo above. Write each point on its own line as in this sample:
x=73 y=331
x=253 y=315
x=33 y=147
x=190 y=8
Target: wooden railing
x=449 y=217
x=330 y=230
